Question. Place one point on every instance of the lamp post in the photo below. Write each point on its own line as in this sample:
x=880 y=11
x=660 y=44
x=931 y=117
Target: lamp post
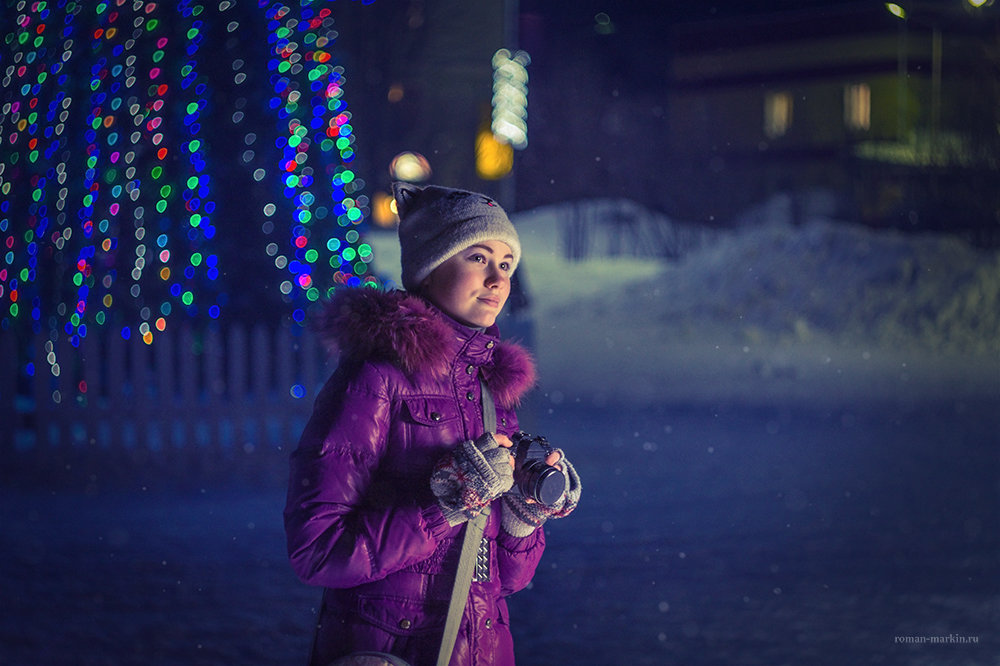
x=935 y=88
x=930 y=15
x=903 y=66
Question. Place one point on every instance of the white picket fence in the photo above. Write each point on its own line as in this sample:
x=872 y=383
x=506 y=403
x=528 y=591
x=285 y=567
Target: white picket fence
x=195 y=403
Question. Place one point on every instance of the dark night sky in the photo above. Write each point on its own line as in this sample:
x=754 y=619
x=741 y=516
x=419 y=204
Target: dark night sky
x=658 y=13
x=638 y=28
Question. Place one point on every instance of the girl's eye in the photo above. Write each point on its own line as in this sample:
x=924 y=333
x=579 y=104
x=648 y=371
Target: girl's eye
x=505 y=266
x=478 y=258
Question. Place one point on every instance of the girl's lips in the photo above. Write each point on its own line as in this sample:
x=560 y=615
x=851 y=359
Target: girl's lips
x=490 y=300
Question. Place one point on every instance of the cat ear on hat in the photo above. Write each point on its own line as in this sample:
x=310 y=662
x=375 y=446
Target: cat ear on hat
x=405 y=195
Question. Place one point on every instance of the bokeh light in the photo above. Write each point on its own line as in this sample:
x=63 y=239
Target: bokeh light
x=316 y=153
x=119 y=207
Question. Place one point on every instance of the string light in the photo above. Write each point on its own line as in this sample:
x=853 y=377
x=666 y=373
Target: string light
x=315 y=155
x=106 y=194
x=110 y=144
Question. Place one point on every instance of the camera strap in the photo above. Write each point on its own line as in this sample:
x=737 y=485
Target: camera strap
x=470 y=548
x=489 y=409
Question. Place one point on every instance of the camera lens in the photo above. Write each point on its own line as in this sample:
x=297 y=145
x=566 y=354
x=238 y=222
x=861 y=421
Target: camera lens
x=543 y=483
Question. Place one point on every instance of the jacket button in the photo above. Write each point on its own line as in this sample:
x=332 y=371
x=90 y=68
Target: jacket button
x=405 y=624
x=503 y=421
x=489 y=345
x=435 y=416
x=469 y=370
x=470 y=396
x=489 y=623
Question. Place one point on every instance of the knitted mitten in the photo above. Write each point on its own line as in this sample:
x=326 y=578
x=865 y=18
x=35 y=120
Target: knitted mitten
x=521 y=517
x=470 y=477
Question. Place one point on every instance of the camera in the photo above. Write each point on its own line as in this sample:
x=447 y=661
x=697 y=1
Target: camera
x=534 y=479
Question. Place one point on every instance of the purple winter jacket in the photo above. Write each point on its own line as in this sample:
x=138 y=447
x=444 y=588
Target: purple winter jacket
x=360 y=518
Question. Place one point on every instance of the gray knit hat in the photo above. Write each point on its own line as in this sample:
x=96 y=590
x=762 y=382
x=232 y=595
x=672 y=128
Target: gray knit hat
x=436 y=222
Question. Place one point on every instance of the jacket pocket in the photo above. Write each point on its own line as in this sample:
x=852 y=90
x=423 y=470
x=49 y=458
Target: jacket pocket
x=402 y=617
x=430 y=421
x=431 y=411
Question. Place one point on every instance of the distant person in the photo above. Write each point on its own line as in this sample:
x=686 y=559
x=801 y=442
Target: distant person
x=399 y=455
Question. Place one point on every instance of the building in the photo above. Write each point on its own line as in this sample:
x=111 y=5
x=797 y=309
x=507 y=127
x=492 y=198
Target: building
x=892 y=109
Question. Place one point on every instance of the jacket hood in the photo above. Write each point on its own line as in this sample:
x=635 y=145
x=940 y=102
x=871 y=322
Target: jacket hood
x=397 y=327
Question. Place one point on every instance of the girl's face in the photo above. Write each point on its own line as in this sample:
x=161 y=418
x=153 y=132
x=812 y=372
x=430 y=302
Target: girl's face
x=472 y=285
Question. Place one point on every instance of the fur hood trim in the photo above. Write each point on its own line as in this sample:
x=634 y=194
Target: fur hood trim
x=367 y=324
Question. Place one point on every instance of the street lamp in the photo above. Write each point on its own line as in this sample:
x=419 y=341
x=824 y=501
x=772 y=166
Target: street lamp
x=410 y=167
x=895 y=10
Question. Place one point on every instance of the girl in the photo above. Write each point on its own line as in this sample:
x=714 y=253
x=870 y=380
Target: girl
x=396 y=457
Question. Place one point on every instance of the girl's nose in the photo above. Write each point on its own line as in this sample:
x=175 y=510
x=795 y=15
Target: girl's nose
x=495 y=276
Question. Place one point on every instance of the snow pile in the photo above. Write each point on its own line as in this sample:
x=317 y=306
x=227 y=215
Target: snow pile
x=834 y=280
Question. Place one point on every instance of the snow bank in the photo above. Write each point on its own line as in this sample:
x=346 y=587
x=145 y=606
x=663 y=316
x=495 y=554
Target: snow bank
x=827 y=312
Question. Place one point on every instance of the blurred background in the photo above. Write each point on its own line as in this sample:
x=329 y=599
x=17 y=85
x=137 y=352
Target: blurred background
x=761 y=279
x=155 y=157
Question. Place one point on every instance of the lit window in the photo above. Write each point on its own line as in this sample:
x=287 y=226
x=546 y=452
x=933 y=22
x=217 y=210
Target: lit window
x=777 y=113
x=858 y=106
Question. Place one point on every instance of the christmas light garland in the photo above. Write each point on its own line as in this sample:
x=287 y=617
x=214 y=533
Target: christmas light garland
x=110 y=214
x=317 y=149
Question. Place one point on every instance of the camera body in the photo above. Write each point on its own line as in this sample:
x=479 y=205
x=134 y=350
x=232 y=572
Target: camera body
x=533 y=479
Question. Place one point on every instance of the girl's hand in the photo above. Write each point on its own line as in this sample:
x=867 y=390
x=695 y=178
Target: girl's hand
x=471 y=476
x=521 y=516
x=504 y=441
x=552 y=459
